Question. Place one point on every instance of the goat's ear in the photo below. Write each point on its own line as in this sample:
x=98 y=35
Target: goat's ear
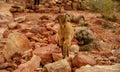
x=67 y=17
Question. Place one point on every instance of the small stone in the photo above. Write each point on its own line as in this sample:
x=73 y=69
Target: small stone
x=13 y=10
x=112 y=58
x=75 y=5
x=74 y=48
x=44 y=17
x=12 y=25
x=35 y=29
x=52 y=39
x=20 y=19
x=2 y=60
x=2 y=30
x=57 y=56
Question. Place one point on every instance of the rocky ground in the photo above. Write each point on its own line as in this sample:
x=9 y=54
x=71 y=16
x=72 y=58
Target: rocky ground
x=28 y=42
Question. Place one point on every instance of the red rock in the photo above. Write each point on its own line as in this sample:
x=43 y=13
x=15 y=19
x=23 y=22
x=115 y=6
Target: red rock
x=29 y=35
x=6 y=33
x=20 y=19
x=51 y=29
x=2 y=60
x=57 y=56
x=55 y=10
x=68 y=7
x=35 y=29
x=29 y=66
x=46 y=34
x=62 y=10
x=44 y=17
x=12 y=25
x=82 y=60
x=2 y=30
x=41 y=10
x=5 y=65
x=74 y=41
x=52 y=39
x=37 y=45
x=45 y=53
x=73 y=69
x=13 y=10
x=35 y=38
x=4 y=71
x=47 y=10
x=105 y=48
x=16 y=42
x=42 y=29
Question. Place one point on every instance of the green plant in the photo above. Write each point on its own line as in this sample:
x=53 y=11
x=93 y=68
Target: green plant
x=117 y=5
x=113 y=30
x=83 y=5
x=106 y=7
x=86 y=47
x=110 y=17
x=107 y=26
x=84 y=36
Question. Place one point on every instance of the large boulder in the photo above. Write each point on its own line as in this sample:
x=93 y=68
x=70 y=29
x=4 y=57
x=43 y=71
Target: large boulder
x=29 y=66
x=112 y=68
x=82 y=60
x=45 y=53
x=16 y=43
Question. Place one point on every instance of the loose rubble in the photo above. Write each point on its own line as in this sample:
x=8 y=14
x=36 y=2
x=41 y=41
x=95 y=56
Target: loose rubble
x=28 y=38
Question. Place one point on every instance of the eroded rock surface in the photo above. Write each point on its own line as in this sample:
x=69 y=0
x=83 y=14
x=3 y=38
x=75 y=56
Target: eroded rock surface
x=112 y=68
x=58 y=66
x=16 y=43
x=82 y=60
x=45 y=53
x=29 y=66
